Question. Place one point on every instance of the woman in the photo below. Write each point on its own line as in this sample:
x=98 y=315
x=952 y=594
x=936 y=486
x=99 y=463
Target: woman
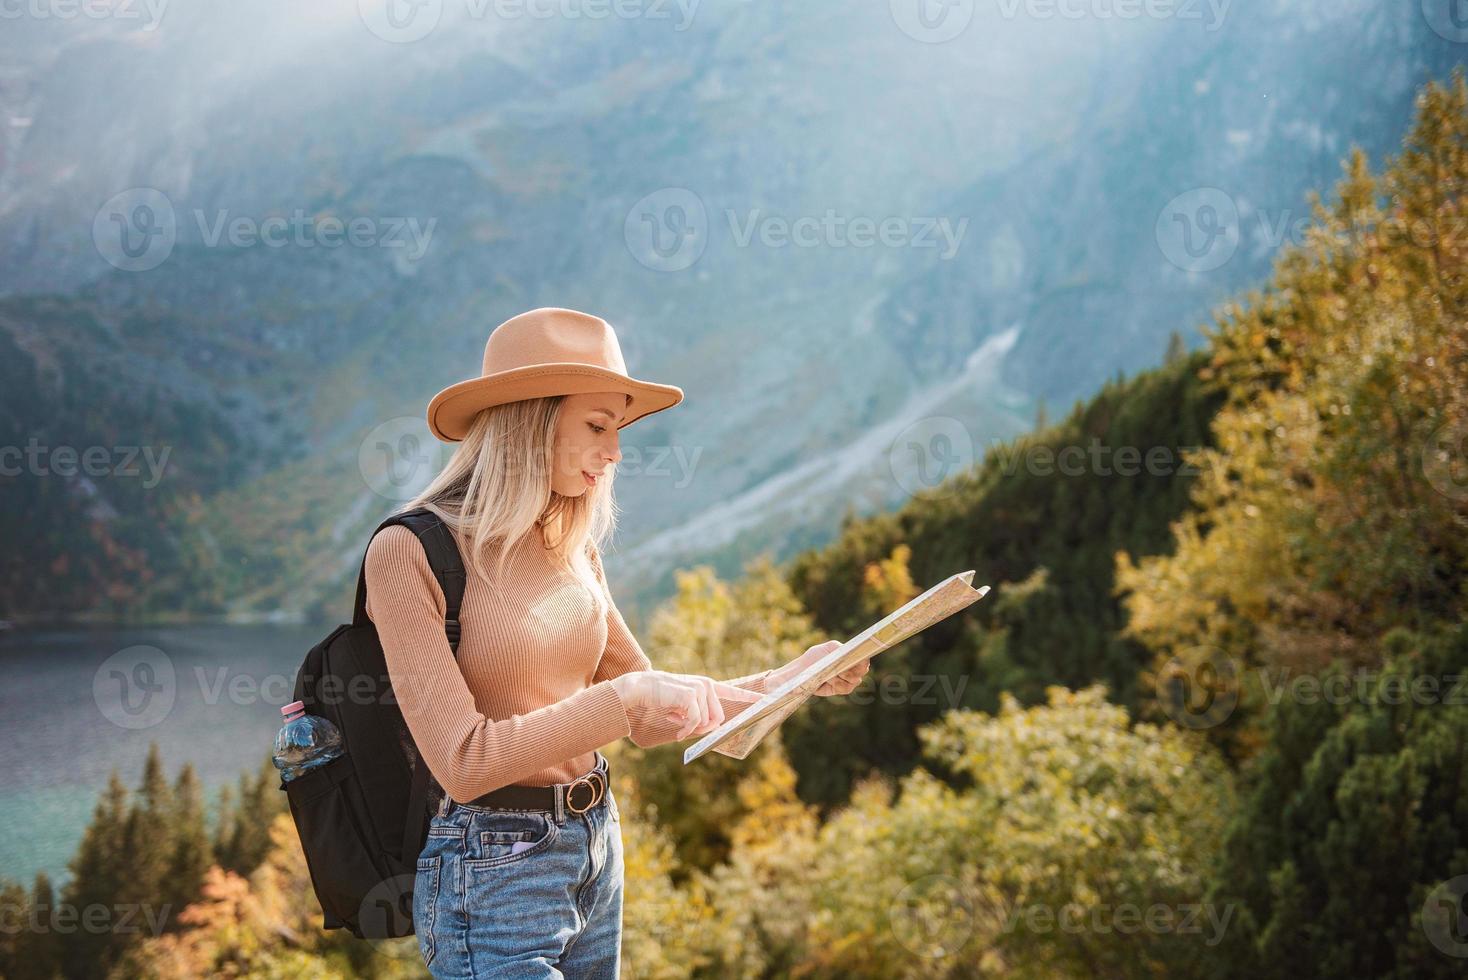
x=522 y=872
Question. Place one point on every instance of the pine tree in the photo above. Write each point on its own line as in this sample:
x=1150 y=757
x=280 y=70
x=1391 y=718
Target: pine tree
x=1176 y=349
x=248 y=831
x=191 y=853
x=16 y=909
x=1331 y=510
x=97 y=878
x=38 y=950
x=148 y=836
x=1355 y=813
x=226 y=817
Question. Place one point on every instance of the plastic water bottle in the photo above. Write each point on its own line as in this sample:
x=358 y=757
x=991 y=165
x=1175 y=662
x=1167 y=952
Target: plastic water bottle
x=305 y=742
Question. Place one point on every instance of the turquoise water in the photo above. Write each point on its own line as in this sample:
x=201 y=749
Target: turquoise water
x=78 y=703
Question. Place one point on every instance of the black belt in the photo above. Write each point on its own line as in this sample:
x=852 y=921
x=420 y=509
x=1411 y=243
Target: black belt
x=578 y=796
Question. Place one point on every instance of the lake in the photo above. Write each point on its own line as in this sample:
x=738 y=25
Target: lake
x=81 y=702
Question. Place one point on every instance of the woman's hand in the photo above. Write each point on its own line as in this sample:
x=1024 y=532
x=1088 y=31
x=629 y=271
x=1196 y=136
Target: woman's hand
x=843 y=683
x=691 y=699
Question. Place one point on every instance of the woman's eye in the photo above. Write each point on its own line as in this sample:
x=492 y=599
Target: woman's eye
x=598 y=429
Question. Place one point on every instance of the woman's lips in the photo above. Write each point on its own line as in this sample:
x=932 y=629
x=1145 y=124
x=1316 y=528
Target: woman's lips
x=590 y=480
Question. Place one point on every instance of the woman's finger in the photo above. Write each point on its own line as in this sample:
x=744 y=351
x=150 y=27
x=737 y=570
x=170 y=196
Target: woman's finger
x=716 y=707
x=846 y=681
x=693 y=715
x=706 y=690
x=682 y=702
x=709 y=704
x=728 y=692
x=700 y=713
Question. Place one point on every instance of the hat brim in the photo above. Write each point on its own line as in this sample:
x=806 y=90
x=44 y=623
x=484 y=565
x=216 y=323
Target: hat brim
x=452 y=410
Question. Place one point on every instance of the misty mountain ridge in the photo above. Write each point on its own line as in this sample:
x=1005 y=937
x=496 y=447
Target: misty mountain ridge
x=616 y=167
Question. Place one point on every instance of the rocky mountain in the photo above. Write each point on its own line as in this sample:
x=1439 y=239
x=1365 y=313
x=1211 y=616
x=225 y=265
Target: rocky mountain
x=260 y=238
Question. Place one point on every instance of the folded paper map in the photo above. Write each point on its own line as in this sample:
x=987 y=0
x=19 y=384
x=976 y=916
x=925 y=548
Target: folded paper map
x=738 y=736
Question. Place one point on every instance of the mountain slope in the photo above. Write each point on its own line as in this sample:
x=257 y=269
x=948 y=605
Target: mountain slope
x=522 y=156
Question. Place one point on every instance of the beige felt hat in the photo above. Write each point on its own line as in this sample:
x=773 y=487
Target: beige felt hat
x=549 y=351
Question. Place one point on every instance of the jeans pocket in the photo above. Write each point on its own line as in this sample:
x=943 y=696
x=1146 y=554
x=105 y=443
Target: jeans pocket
x=425 y=904
x=497 y=838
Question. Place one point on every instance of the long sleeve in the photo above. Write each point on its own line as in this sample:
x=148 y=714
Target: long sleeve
x=759 y=683
x=624 y=654
x=468 y=753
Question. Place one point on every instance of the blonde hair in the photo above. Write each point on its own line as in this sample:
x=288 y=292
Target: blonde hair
x=496 y=489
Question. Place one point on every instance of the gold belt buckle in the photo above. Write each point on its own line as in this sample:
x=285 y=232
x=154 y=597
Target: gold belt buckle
x=597 y=790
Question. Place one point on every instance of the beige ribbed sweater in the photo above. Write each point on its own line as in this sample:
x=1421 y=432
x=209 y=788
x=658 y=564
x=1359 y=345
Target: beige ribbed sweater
x=530 y=697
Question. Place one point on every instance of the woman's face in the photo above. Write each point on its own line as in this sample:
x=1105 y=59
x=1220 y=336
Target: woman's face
x=586 y=441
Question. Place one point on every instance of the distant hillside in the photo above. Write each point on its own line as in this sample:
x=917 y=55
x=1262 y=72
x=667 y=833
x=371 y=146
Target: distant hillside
x=1040 y=520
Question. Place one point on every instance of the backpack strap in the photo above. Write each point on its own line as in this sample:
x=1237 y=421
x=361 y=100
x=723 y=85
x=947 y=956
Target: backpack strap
x=443 y=558
x=448 y=568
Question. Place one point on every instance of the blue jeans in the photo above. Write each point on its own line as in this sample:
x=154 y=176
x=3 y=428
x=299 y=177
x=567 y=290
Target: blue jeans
x=484 y=907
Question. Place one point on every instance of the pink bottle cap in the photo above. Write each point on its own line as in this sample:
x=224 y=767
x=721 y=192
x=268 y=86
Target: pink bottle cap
x=293 y=707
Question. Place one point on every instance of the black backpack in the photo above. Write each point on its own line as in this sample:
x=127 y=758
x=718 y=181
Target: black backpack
x=363 y=818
